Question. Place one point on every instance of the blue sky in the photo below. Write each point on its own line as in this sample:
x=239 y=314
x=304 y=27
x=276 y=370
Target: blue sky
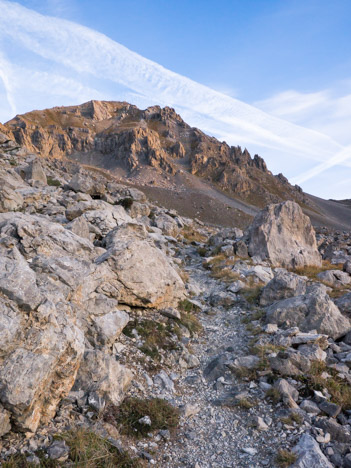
x=289 y=59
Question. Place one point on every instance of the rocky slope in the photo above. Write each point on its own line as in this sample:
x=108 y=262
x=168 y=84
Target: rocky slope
x=117 y=135
x=131 y=336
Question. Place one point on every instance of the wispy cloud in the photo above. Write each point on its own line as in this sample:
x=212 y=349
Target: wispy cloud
x=87 y=60
x=7 y=79
x=327 y=111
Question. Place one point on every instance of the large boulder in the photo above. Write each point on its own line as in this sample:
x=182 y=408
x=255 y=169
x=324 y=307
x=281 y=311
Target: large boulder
x=309 y=454
x=283 y=235
x=40 y=356
x=282 y=286
x=312 y=311
x=145 y=276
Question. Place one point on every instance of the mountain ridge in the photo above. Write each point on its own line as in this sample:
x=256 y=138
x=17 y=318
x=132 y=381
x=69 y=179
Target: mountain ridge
x=113 y=134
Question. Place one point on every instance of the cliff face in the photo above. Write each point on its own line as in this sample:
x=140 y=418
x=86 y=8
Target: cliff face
x=132 y=138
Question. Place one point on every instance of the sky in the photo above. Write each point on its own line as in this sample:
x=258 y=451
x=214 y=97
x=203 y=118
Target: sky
x=270 y=75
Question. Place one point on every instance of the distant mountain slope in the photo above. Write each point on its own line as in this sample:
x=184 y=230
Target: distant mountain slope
x=153 y=146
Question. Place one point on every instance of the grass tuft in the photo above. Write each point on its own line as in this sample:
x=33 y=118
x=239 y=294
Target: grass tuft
x=87 y=449
x=161 y=413
x=53 y=182
x=285 y=458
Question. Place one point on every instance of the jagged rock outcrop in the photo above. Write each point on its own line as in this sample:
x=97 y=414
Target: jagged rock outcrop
x=284 y=236
x=114 y=134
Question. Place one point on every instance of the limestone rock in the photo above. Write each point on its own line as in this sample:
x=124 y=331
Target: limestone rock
x=109 y=326
x=283 y=235
x=309 y=454
x=144 y=273
x=10 y=200
x=344 y=304
x=17 y=280
x=167 y=224
x=5 y=425
x=101 y=373
x=35 y=172
x=313 y=311
x=282 y=286
x=335 y=278
x=36 y=375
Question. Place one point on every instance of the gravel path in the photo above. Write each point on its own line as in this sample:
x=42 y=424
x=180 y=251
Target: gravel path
x=222 y=436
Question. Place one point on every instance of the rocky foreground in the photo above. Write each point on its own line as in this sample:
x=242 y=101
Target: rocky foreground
x=131 y=336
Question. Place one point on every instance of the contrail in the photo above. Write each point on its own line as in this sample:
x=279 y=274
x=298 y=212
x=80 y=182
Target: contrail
x=4 y=75
x=89 y=52
x=339 y=158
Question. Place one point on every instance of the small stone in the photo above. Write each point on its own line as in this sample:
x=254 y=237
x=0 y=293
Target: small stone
x=58 y=450
x=165 y=434
x=323 y=439
x=249 y=450
x=33 y=460
x=271 y=328
x=145 y=421
x=171 y=313
x=189 y=410
x=260 y=424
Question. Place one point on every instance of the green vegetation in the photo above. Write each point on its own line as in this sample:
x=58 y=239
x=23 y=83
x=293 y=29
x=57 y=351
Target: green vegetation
x=246 y=403
x=192 y=235
x=292 y=418
x=156 y=336
x=273 y=394
x=53 y=182
x=127 y=203
x=339 y=389
x=87 y=450
x=252 y=293
x=285 y=458
x=312 y=271
x=126 y=417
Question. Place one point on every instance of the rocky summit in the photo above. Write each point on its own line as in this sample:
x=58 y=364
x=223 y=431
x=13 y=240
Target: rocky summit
x=118 y=135
x=134 y=336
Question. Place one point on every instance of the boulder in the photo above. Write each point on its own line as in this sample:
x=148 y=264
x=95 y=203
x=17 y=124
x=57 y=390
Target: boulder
x=143 y=272
x=347 y=266
x=83 y=183
x=335 y=278
x=290 y=362
x=167 y=224
x=282 y=286
x=344 y=304
x=39 y=367
x=5 y=425
x=283 y=235
x=17 y=279
x=109 y=326
x=313 y=311
x=80 y=227
x=102 y=374
x=309 y=454
x=34 y=172
x=107 y=219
